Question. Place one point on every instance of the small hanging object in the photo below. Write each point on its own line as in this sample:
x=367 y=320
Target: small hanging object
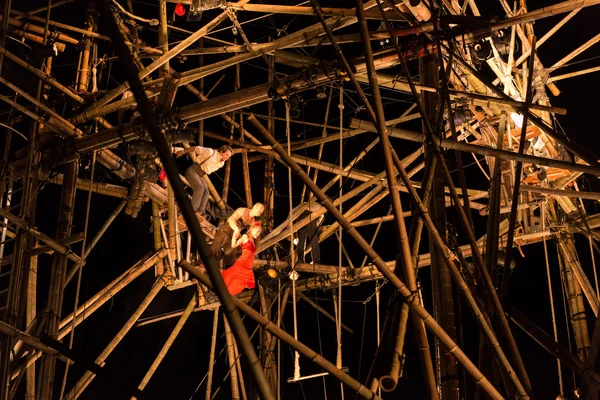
x=179 y=10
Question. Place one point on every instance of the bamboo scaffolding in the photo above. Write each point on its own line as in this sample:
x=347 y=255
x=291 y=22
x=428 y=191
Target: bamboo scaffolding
x=184 y=203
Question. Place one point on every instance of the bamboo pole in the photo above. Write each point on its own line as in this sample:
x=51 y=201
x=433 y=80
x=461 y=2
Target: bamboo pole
x=383 y=268
x=59 y=270
x=233 y=376
x=575 y=53
x=163 y=34
x=172 y=231
x=211 y=358
x=238 y=366
x=88 y=376
x=84 y=66
x=166 y=347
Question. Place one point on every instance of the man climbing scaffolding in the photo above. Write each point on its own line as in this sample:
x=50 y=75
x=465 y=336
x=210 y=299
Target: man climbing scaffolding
x=241 y=218
x=207 y=161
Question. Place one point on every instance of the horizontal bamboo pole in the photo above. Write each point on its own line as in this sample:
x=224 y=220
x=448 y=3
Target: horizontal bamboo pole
x=40 y=30
x=481 y=150
x=560 y=192
x=30 y=340
x=59 y=248
x=107 y=189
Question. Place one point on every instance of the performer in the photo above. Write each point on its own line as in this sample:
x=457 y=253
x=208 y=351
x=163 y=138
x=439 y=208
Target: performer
x=240 y=275
x=210 y=160
x=310 y=234
x=242 y=217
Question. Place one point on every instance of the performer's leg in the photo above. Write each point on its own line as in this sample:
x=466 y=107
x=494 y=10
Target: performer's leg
x=194 y=178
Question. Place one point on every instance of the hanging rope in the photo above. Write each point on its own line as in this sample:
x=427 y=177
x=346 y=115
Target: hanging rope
x=555 y=330
x=338 y=361
x=79 y=272
x=292 y=255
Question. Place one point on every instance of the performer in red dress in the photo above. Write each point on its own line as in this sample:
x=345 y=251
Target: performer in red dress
x=240 y=275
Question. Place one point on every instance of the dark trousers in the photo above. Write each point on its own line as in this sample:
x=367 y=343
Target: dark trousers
x=194 y=176
x=308 y=234
x=222 y=242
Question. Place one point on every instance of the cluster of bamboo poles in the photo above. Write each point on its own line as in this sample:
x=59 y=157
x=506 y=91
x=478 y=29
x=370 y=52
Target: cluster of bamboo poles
x=171 y=261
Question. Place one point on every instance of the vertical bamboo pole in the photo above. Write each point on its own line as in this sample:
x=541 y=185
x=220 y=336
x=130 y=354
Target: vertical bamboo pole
x=163 y=352
x=59 y=265
x=440 y=276
x=30 y=315
x=405 y=253
x=156 y=224
x=200 y=139
x=211 y=358
x=88 y=376
x=269 y=183
x=172 y=229
x=245 y=167
x=238 y=366
x=163 y=34
x=235 y=389
x=83 y=75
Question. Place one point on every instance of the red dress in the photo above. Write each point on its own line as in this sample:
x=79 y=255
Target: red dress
x=240 y=275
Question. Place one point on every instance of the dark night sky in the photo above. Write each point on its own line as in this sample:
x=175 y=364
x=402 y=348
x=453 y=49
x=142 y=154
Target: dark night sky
x=128 y=239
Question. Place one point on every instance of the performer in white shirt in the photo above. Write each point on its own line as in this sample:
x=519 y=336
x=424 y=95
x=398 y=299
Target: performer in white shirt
x=208 y=161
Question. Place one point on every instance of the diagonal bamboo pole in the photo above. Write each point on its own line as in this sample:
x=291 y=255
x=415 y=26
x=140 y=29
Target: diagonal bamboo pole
x=409 y=297
x=211 y=357
x=163 y=352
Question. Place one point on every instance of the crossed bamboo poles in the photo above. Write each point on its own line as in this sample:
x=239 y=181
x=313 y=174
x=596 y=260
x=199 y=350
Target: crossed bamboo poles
x=407 y=183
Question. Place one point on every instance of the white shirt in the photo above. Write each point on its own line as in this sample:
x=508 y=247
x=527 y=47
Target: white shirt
x=209 y=159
